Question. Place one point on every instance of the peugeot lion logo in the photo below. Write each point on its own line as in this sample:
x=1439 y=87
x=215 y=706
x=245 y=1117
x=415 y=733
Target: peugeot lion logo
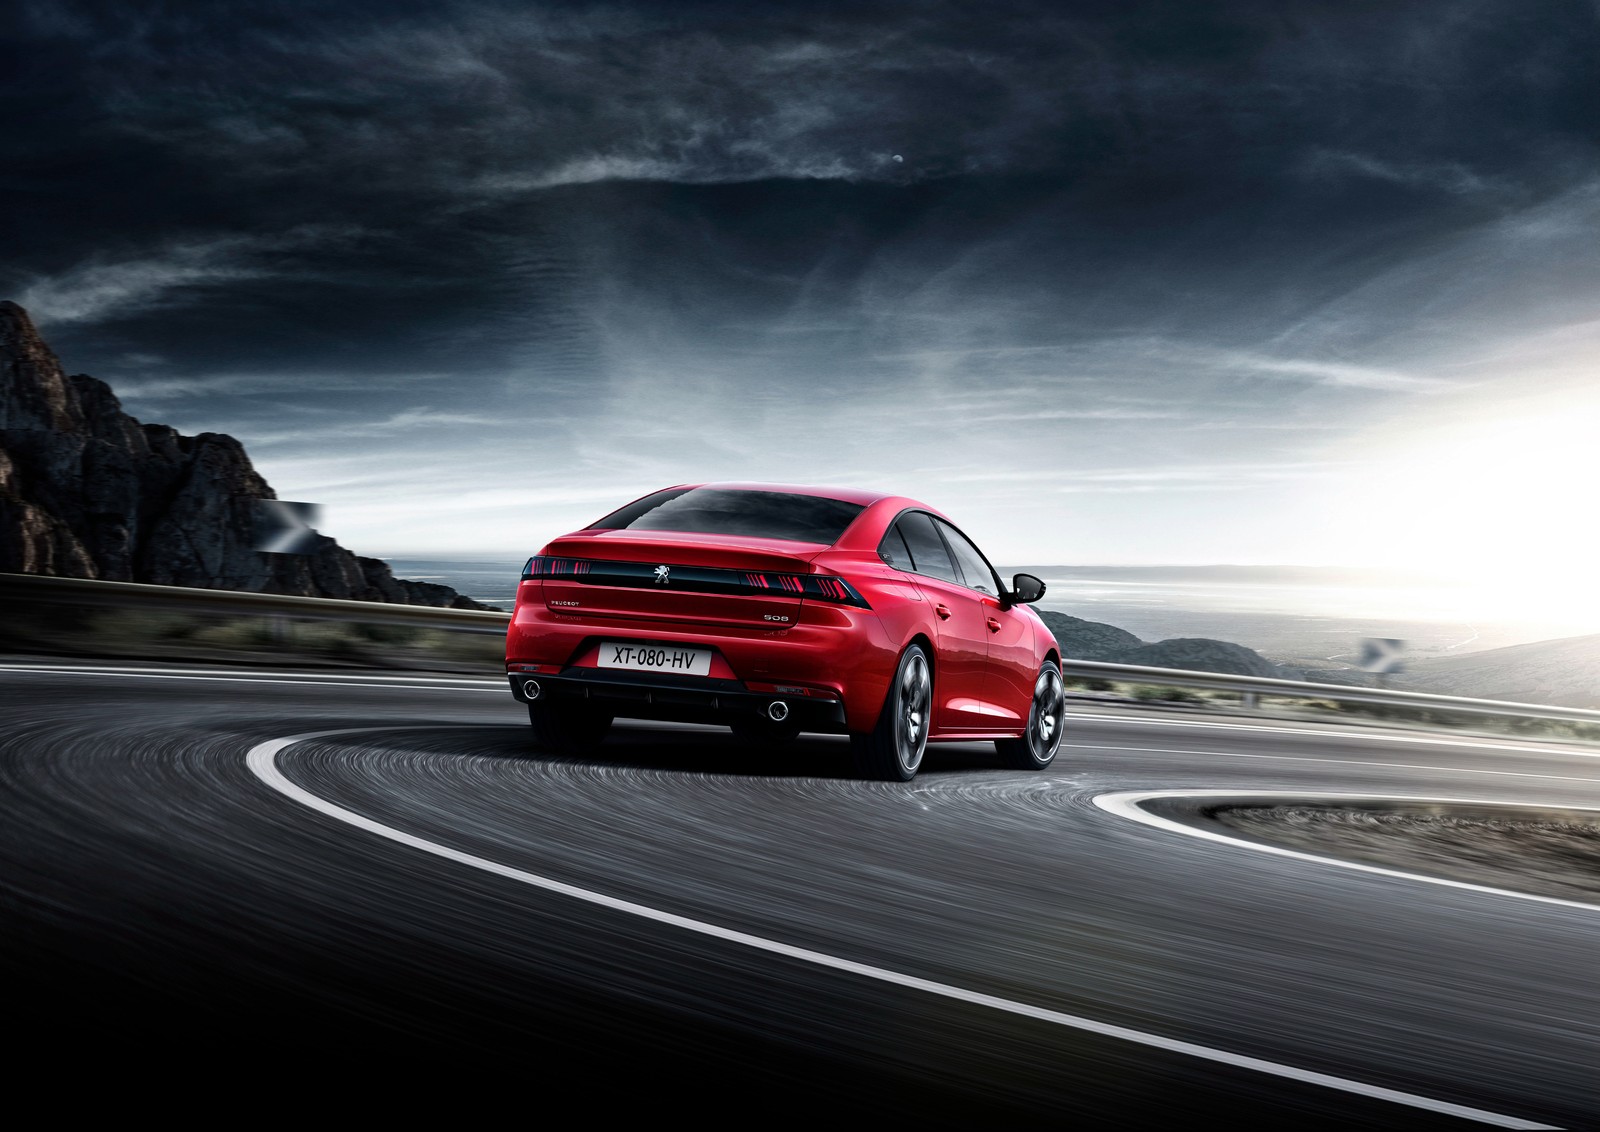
x=661 y=575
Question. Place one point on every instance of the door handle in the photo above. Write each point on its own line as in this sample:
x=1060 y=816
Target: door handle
x=943 y=611
x=994 y=626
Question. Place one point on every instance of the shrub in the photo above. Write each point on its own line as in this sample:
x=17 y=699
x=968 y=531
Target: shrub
x=1150 y=693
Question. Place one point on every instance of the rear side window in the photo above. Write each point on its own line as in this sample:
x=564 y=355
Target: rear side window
x=719 y=511
x=928 y=555
x=974 y=567
x=893 y=550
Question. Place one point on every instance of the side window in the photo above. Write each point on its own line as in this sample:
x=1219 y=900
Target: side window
x=928 y=555
x=974 y=568
x=893 y=550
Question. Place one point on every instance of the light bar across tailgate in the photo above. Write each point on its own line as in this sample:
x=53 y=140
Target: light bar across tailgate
x=696 y=579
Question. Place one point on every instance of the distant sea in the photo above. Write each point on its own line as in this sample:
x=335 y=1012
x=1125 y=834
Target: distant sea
x=489 y=580
x=1309 y=615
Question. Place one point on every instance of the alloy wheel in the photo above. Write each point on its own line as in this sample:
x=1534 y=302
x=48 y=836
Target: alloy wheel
x=1045 y=718
x=915 y=698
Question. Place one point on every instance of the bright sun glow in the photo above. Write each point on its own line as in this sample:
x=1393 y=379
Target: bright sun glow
x=1505 y=503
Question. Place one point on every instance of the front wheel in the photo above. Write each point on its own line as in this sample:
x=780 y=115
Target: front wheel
x=892 y=751
x=1038 y=746
x=567 y=728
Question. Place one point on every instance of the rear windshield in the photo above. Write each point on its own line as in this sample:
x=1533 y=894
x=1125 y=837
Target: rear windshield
x=717 y=511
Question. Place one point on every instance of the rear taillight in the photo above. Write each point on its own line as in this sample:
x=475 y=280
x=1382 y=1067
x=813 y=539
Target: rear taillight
x=820 y=587
x=554 y=568
x=698 y=579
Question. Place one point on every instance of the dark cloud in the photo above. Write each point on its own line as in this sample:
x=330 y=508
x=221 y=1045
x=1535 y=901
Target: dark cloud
x=178 y=152
x=571 y=211
x=479 y=101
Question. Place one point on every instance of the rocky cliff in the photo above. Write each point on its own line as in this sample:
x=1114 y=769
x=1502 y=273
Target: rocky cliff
x=86 y=491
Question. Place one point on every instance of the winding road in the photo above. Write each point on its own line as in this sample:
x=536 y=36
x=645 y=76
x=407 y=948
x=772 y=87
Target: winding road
x=364 y=895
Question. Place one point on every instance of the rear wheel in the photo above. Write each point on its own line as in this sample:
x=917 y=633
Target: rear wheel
x=567 y=728
x=1038 y=746
x=892 y=751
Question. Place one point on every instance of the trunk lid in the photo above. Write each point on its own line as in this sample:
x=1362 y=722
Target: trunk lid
x=666 y=576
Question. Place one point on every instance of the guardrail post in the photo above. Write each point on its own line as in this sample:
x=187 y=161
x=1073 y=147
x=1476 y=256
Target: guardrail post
x=1247 y=700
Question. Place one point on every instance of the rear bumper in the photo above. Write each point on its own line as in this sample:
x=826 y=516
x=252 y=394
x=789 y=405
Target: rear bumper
x=834 y=649
x=687 y=699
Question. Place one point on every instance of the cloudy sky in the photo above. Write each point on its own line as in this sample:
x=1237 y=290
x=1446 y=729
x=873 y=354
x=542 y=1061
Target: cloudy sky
x=1109 y=283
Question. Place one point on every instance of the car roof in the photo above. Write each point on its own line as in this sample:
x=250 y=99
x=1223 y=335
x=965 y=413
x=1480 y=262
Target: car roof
x=844 y=494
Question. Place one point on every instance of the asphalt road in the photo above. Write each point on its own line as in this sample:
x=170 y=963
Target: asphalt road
x=418 y=916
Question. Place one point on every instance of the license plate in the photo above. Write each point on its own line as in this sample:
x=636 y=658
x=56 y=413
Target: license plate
x=655 y=658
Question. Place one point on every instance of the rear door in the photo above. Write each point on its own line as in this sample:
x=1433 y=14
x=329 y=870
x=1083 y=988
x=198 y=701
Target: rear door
x=963 y=633
x=1008 y=682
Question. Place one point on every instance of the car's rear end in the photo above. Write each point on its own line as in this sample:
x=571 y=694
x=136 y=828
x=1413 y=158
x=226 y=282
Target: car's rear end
x=638 y=617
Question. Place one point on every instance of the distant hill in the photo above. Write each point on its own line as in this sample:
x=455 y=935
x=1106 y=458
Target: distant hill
x=1089 y=640
x=1093 y=640
x=86 y=491
x=1564 y=672
x=1201 y=654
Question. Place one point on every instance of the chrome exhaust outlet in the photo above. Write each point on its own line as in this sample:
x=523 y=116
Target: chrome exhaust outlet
x=530 y=688
x=777 y=711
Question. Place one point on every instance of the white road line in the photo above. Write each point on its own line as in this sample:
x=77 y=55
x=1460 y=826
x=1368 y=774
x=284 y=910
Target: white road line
x=1342 y=731
x=305 y=682
x=497 y=685
x=234 y=673
x=262 y=761
x=1342 y=762
x=1127 y=804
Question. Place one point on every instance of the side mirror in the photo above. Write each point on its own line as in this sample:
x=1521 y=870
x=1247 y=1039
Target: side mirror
x=1025 y=588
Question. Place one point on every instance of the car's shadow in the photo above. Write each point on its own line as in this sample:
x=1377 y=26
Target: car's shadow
x=689 y=749
x=676 y=748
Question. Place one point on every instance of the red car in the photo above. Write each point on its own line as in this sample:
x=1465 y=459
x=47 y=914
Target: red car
x=778 y=609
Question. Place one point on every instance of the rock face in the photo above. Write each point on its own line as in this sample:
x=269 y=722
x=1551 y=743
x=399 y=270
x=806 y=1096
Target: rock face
x=1094 y=640
x=86 y=491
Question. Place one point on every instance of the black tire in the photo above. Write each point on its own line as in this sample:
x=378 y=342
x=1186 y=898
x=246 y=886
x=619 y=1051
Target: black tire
x=759 y=731
x=892 y=751
x=567 y=728
x=1038 y=746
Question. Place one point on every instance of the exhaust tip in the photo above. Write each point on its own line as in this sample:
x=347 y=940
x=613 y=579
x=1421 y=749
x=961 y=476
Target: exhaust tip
x=777 y=711
x=530 y=688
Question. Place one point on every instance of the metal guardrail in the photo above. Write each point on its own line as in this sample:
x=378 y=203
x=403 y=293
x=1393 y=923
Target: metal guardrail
x=85 y=591
x=1302 y=689
x=90 y=591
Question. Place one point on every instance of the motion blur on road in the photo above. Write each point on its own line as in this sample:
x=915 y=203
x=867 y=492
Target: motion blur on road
x=224 y=876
